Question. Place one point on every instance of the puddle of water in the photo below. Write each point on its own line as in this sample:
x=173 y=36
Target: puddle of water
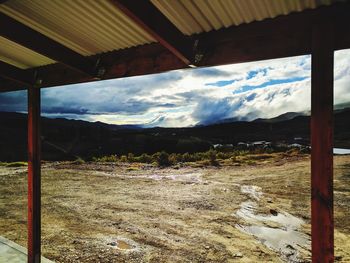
x=189 y=177
x=123 y=244
x=285 y=238
x=287 y=242
x=252 y=191
x=248 y=210
x=341 y=151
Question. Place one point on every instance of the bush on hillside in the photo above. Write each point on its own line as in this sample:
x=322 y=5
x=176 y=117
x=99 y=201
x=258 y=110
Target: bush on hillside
x=163 y=159
x=78 y=161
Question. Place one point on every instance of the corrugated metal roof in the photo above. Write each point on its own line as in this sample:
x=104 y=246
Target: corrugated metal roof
x=196 y=16
x=20 y=56
x=85 y=26
x=95 y=26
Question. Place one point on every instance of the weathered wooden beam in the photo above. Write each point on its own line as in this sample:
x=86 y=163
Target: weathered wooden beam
x=322 y=222
x=34 y=176
x=29 y=38
x=142 y=60
x=7 y=85
x=150 y=19
x=15 y=74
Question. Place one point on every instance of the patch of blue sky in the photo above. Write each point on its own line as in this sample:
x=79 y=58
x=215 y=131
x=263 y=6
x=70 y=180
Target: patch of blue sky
x=222 y=83
x=251 y=97
x=253 y=73
x=268 y=83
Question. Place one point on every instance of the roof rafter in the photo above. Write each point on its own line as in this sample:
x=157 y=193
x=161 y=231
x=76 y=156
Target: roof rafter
x=29 y=38
x=150 y=19
x=10 y=85
x=15 y=74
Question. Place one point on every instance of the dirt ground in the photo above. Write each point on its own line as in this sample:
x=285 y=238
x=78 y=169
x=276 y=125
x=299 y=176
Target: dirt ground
x=141 y=213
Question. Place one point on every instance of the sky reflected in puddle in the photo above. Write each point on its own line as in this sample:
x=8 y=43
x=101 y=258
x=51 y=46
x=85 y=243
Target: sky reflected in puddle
x=279 y=231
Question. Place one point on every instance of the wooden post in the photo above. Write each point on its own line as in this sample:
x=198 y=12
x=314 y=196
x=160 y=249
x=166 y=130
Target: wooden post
x=34 y=176
x=322 y=223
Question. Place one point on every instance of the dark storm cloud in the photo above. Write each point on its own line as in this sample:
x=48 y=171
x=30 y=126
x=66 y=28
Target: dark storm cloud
x=167 y=105
x=64 y=110
x=13 y=101
x=121 y=96
x=209 y=111
x=67 y=100
x=191 y=96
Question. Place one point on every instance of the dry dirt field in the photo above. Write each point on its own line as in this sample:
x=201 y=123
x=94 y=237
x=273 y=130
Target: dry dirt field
x=141 y=213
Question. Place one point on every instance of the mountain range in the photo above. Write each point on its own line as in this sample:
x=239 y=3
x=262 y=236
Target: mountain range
x=64 y=139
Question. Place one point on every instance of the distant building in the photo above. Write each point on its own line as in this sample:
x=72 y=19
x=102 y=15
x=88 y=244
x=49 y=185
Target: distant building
x=295 y=145
x=254 y=145
x=242 y=145
x=261 y=144
x=223 y=146
x=216 y=146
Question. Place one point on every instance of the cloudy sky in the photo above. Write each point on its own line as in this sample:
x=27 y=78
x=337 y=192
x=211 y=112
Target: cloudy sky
x=188 y=97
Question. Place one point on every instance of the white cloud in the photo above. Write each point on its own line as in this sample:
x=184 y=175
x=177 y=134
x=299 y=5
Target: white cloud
x=183 y=97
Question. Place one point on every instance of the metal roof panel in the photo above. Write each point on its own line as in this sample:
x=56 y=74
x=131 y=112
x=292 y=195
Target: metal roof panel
x=20 y=56
x=196 y=16
x=85 y=26
x=91 y=27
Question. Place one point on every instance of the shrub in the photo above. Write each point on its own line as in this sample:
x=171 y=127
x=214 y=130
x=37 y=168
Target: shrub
x=197 y=157
x=174 y=158
x=186 y=157
x=106 y=159
x=131 y=157
x=16 y=164
x=124 y=158
x=212 y=158
x=132 y=168
x=144 y=158
x=163 y=159
x=78 y=161
x=250 y=162
x=224 y=155
x=260 y=156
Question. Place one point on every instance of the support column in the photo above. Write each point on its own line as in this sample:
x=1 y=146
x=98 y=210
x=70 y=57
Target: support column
x=322 y=229
x=34 y=176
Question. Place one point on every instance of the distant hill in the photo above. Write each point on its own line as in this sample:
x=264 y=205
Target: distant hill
x=342 y=106
x=214 y=122
x=283 y=117
x=64 y=139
